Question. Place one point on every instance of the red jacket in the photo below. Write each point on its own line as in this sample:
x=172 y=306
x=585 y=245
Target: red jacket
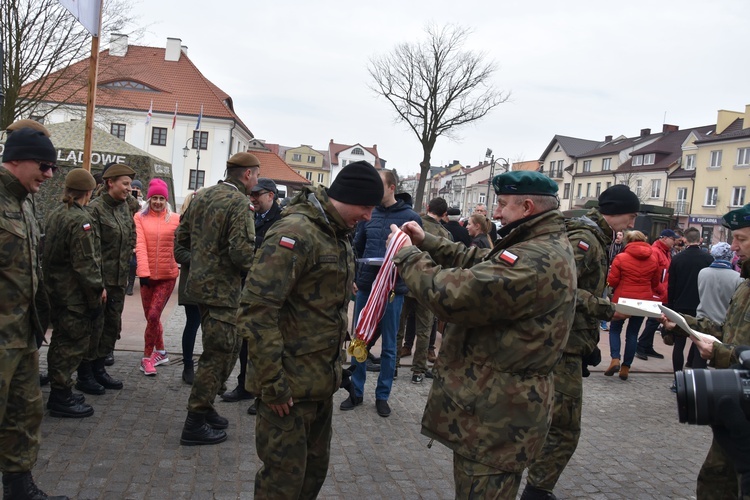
x=635 y=272
x=154 y=245
x=664 y=256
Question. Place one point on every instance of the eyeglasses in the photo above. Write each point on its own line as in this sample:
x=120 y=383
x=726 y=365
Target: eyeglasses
x=44 y=166
x=259 y=193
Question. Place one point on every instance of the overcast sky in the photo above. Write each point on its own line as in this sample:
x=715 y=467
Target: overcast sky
x=297 y=70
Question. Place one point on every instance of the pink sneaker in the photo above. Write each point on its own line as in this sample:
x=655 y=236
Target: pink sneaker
x=159 y=358
x=147 y=367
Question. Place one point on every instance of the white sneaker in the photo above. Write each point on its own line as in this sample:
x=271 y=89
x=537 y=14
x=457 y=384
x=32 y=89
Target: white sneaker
x=159 y=358
x=147 y=367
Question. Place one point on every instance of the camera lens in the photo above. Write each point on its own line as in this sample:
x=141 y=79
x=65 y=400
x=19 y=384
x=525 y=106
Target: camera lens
x=698 y=392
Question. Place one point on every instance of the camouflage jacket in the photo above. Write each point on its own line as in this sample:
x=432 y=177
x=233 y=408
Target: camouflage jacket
x=72 y=258
x=20 y=266
x=435 y=228
x=589 y=236
x=509 y=311
x=218 y=229
x=735 y=331
x=116 y=228
x=294 y=305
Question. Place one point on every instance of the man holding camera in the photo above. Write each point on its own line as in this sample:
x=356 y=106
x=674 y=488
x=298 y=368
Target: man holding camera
x=718 y=476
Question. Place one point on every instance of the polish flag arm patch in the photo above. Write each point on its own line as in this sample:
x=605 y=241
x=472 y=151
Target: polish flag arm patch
x=87 y=227
x=508 y=257
x=583 y=246
x=287 y=242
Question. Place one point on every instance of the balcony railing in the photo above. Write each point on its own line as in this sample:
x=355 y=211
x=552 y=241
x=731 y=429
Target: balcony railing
x=680 y=207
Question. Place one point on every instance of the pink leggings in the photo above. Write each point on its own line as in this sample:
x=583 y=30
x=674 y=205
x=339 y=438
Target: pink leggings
x=154 y=297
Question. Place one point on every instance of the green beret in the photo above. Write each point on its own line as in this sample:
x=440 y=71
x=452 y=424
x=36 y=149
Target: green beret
x=524 y=182
x=118 y=170
x=243 y=160
x=80 y=179
x=737 y=219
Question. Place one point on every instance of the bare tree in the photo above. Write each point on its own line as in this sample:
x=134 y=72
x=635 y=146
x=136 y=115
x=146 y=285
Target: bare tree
x=40 y=37
x=435 y=87
x=631 y=179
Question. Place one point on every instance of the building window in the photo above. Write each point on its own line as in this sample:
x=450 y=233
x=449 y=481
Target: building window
x=609 y=185
x=201 y=139
x=158 y=136
x=308 y=176
x=715 y=159
x=588 y=189
x=358 y=151
x=559 y=169
x=587 y=165
x=343 y=163
x=310 y=159
x=638 y=187
x=598 y=189
x=743 y=156
x=578 y=190
x=197 y=178
x=606 y=164
x=296 y=157
x=738 y=196
x=637 y=160
x=320 y=178
x=118 y=130
x=37 y=118
x=689 y=162
x=482 y=198
x=566 y=191
x=712 y=196
x=649 y=159
x=656 y=188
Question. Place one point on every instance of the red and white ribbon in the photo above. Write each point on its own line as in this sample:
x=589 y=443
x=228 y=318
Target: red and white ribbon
x=385 y=282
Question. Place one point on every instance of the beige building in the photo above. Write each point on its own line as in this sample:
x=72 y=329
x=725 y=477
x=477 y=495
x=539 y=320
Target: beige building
x=309 y=163
x=558 y=162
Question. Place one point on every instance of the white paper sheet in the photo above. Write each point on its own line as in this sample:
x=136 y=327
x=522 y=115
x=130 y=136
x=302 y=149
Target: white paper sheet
x=677 y=318
x=638 y=307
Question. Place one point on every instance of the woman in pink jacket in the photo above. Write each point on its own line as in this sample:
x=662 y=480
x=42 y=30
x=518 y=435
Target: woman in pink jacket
x=634 y=275
x=155 y=226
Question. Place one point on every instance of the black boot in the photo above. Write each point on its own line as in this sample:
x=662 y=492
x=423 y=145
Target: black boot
x=86 y=381
x=534 y=493
x=20 y=486
x=61 y=404
x=197 y=432
x=43 y=379
x=131 y=280
x=109 y=359
x=104 y=378
x=188 y=374
x=216 y=421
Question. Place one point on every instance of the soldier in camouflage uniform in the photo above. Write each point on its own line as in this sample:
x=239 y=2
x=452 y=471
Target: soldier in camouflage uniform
x=296 y=326
x=589 y=237
x=73 y=276
x=28 y=160
x=509 y=311
x=717 y=478
x=218 y=231
x=115 y=226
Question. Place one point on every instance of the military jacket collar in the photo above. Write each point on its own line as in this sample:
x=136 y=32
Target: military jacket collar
x=544 y=223
x=235 y=184
x=111 y=201
x=13 y=185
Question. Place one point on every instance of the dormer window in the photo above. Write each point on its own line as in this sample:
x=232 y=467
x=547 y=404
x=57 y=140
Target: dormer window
x=649 y=159
x=637 y=160
x=358 y=151
x=128 y=84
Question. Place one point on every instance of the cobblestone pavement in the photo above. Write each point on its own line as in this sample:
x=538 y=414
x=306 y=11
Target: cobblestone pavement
x=632 y=445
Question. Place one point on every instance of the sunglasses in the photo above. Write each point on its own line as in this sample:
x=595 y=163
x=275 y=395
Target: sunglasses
x=259 y=193
x=44 y=166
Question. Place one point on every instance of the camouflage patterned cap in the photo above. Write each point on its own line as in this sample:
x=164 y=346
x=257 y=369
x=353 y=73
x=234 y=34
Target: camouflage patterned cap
x=524 y=182
x=737 y=219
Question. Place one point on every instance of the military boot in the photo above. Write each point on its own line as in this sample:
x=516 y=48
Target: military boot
x=20 y=486
x=197 y=432
x=86 y=381
x=62 y=404
x=104 y=378
x=534 y=493
x=216 y=421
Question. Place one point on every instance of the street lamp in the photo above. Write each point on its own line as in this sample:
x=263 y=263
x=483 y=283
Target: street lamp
x=506 y=164
x=185 y=152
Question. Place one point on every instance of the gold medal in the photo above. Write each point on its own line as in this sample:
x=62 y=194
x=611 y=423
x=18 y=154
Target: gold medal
x=358 y=349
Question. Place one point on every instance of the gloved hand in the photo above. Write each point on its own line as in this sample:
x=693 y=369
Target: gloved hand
x=144 y=281
x=95 y=312
x=732 y=432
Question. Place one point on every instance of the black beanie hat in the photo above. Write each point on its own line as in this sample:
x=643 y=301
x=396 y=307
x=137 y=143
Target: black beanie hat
x=357 y=184
x=29 y=144
x=617 y=200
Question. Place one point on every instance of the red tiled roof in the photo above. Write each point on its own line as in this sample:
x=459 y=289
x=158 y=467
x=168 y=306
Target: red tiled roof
x=275 y=168
x=335 y=149
x=172 y=82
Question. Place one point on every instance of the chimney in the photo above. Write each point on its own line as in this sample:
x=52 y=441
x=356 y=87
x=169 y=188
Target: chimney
x=666 y=128
x=374 y=146
x=174 y=46
x=183 y=49
x=645 y=132
x=118 y=45
x=607 y=138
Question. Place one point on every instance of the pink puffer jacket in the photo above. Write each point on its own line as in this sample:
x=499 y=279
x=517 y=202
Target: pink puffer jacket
x=154 y=246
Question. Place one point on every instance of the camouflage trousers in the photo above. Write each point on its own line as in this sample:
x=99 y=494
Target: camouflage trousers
x=71 y=338
x=221 y=346
x=21 y=409
x=562 y=439
x=717 y=479
x=295 y=449
x=108 y=326
x=475 y=480
x=424 y=319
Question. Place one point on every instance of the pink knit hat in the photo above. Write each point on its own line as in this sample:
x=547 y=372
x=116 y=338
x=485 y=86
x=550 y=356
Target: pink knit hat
x=157 y=187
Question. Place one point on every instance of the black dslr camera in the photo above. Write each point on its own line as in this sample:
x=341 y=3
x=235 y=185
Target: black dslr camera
x=699 y=391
